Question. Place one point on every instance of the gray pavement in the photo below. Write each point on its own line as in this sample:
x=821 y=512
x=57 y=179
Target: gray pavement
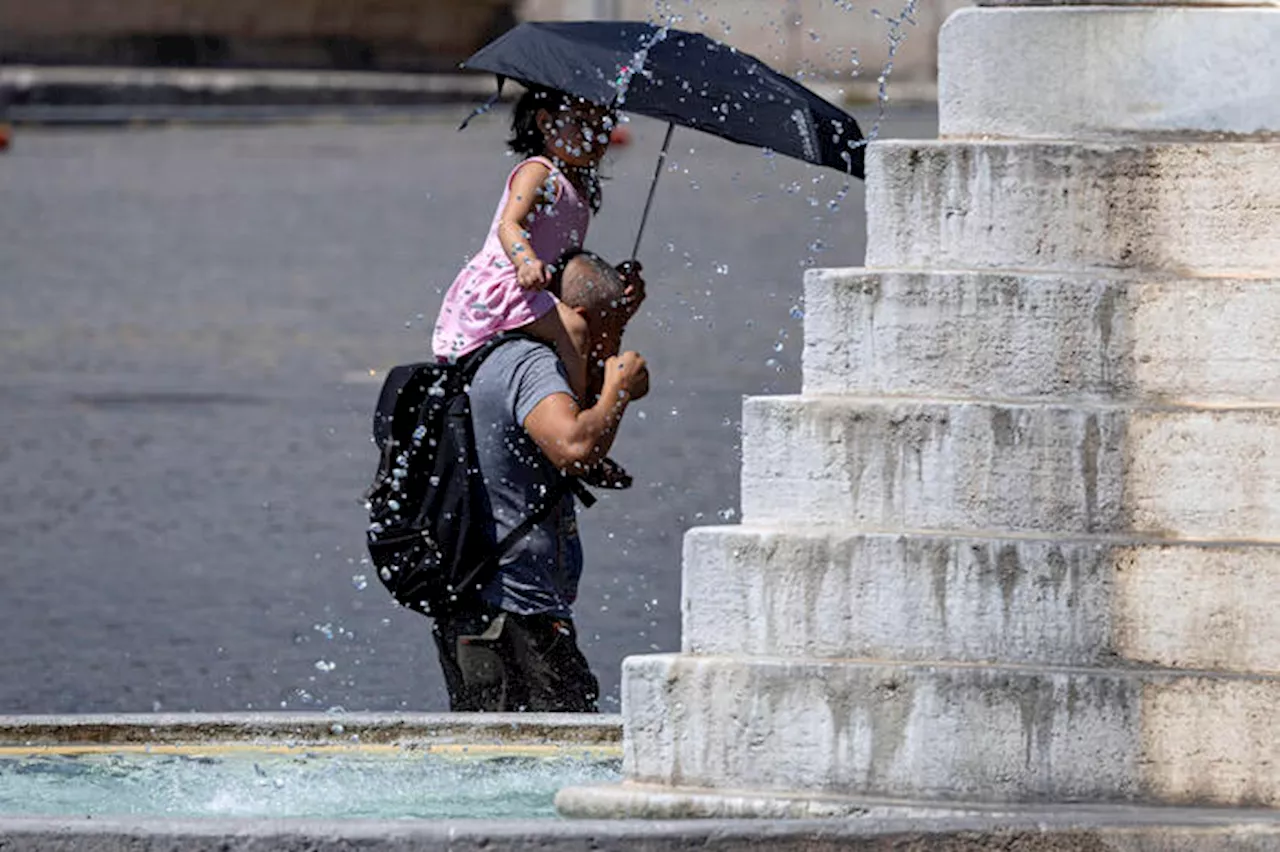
x=188 y=318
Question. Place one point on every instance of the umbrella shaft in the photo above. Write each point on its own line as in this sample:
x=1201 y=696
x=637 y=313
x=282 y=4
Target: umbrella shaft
x=657 y=173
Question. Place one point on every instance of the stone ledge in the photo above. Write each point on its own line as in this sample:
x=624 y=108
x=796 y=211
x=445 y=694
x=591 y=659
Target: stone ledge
x=810 y=593
x=1112 y=69
x=660 y=802
x=75 y=95
x=1050 y=337
x=289 y=728
x=1177 y=4
x=1194 y=209
x=887 y=464
x=949 y=731
x=1120 y=829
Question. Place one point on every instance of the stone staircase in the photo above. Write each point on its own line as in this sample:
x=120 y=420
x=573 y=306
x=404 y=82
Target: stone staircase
x=1018 y=540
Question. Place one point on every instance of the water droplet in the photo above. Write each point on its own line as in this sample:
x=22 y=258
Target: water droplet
x=360 y=581
x=722 y=269
x=325 y=666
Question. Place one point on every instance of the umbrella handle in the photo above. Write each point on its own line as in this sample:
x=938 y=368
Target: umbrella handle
x=657 y=173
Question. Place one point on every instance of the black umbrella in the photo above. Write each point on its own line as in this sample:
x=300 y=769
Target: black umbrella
x=681 y=78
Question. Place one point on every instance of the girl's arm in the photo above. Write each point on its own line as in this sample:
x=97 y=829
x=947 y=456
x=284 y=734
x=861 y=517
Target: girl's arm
x=528 y=188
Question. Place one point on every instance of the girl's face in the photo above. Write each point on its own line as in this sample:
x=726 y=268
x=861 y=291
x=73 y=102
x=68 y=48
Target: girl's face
x=577 y=134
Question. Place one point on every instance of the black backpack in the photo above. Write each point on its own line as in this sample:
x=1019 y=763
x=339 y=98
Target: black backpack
x=430 y=527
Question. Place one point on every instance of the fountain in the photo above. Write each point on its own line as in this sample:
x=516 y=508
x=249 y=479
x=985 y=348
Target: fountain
x=298 y=765
x=1006 y=571
x=1013 y=549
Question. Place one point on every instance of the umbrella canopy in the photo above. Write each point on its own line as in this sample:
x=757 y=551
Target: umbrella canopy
x=681 y=78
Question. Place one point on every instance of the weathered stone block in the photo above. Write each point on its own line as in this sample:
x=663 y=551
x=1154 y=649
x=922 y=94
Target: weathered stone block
x=1210 y=607
x=946 y=732
x=1188 y=209
x=813 y=593
x=816 y=593
x=1111 y=71
x=876 y=465
x=1054 y=336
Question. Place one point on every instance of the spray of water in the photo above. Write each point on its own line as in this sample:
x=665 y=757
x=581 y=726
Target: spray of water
x=897 y=35
x=636 y=65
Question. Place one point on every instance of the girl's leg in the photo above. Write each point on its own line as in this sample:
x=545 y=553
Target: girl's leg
x=567 y=332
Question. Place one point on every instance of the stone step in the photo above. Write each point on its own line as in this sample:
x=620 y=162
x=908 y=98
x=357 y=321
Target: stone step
x=1048 y=335
x=831 y=594
x=1162 y=56
x=884 y=465
x=1254 y=828
x=950 y=731
x=1197 y=209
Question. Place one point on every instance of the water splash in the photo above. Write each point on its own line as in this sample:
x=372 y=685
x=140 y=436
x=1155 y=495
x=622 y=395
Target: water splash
x=636 y=65
x=897 y=35
x=897 y=25
x=345 y=786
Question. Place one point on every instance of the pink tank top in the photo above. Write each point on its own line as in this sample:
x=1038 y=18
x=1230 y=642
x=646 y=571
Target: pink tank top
x=486 y=298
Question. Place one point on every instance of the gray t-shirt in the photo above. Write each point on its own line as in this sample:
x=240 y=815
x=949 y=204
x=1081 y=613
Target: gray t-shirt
x=540 y=573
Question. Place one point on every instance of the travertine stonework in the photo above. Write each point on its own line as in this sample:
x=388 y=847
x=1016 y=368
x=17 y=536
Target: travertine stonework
x=1018 y=540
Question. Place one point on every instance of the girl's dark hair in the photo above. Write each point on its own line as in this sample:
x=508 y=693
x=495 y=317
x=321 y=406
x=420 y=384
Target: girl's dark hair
x=527 y=138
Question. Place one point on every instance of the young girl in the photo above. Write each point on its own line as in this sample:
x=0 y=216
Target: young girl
x=544 y=211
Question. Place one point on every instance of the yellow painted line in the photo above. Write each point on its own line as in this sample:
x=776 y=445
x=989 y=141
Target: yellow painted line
x=450 y=749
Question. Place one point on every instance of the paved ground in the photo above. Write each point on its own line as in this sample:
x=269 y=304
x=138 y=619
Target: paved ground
x=188 y=316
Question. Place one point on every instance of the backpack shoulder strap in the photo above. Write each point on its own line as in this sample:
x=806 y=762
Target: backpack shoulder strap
x=482 y=573
x=471 y=362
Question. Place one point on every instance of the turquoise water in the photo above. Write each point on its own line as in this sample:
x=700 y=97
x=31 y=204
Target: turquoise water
x=332 y=786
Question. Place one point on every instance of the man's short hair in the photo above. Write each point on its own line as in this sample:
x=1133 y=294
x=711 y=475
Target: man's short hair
x=583 y=279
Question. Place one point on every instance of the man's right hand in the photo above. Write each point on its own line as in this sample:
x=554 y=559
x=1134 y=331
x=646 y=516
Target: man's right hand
x=634 y=294
x=574 y=439
x=626 y=373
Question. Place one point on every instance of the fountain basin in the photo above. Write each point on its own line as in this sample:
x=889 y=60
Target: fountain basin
x=469 y=783
x=320 y=766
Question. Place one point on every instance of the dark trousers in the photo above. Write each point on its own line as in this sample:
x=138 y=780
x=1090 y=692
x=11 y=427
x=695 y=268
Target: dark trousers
x=500 y=662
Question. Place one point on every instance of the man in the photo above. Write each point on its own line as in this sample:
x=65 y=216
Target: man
x=518 y=650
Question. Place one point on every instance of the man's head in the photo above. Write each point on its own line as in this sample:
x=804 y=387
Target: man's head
x=596 y=291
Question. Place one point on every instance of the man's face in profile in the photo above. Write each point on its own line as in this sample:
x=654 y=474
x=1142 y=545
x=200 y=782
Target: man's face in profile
x=604 y=326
